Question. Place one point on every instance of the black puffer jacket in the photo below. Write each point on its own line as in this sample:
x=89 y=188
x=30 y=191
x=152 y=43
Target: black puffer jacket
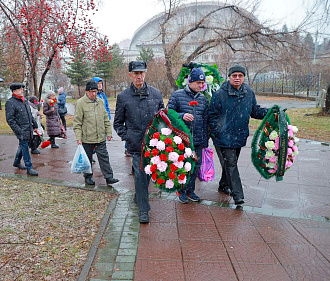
x=19 y=118
x=134 y=112
x=179 y=101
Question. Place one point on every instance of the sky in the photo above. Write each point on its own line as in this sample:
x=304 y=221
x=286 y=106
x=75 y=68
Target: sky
x=119 y=19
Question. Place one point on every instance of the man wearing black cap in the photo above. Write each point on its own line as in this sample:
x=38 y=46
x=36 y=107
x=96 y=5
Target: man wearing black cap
x=229 y=113
x=91 y=123
x=191 y=105
x=135 y=108
x=20 y=120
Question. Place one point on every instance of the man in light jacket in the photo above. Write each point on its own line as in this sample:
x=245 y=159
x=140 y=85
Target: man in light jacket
x=91 y=123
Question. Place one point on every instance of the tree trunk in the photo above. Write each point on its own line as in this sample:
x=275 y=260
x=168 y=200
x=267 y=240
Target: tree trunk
x=169 y=74
x=327 y=101
x=43 y=76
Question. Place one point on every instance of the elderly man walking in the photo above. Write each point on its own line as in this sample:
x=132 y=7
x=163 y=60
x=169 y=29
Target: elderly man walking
x=20 y=120
x=135 y=108
x=91 y=123
x=229 y=113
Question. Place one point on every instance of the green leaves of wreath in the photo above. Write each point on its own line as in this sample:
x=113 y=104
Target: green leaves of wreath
x=213 y=78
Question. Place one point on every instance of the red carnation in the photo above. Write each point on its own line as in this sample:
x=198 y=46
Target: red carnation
x=156 y=135
x=168 y=141
x=154 y=176
x=160 y=181
x=155 y=152
x=173 y=168
x=45 y=144
x=181 y=146
x=181 y=158
x=147 y=153
x=153 y=168
x=171 y=175
x=169 y=149
x=182 y=177
x=193 y=103
x=163 y=157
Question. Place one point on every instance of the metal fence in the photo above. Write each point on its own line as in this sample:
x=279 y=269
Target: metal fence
x=303 y=85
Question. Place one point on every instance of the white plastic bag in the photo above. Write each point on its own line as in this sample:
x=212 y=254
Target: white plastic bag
x=80 y=163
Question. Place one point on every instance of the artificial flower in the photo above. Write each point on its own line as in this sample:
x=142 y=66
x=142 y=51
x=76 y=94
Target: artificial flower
x=153 y=142
x=209 y=79
x=193 y=103
x=166 y=131
x=177 y=140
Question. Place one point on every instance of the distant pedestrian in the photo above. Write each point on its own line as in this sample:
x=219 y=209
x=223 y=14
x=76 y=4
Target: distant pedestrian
x=53 y=124
x=91 y=124
x=229 y=114
x=36 y=139
x=135 y=108
x=62 y=110
x=21 y=121
x=191 y=105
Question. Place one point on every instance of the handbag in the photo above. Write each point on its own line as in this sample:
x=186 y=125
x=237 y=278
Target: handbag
x=63 y=133
x=80 y=162
x=206 y=172
x=62 y=110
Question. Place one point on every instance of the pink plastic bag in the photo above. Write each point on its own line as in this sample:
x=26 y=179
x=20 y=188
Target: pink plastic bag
x=206 y=173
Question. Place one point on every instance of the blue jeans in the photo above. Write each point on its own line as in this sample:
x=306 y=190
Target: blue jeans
x=141 y=181
x=23 y=151
x=190 y=186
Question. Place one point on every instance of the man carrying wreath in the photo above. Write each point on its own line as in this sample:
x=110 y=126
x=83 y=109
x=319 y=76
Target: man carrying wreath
x=229 y=113
x=191 y=105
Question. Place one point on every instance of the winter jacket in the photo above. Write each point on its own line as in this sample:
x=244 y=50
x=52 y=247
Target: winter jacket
x=134 y=112
x=229 y=114
x=91 y=122
x=37 y=117
x=102 y=96
x=19 y=118
x=53 y=123
x=62 y=101
x=179 y=101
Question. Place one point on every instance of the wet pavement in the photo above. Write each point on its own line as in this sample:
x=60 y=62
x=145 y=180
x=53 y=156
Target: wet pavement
x=282 y=233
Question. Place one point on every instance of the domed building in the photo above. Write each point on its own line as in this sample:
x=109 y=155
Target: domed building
x=220 y=19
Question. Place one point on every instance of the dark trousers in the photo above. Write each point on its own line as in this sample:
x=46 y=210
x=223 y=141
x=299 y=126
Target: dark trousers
x=230 y=175
x=63 y=121
x=23 y=151
x=141 y=182
x=102 y=156
x=190 y=186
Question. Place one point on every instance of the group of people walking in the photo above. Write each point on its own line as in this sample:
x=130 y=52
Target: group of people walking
x=225 y=120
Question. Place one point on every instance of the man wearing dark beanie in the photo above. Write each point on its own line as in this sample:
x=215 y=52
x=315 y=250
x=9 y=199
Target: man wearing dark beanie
x=191 y=105
x=229 y=113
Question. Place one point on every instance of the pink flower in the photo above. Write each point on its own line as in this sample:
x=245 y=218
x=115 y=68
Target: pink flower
x=188 y=152
x=169 y=184
x=160 y=145
x=289 y=151
x=291 y=143
x=178 y=164
x=166 y=131
x=177 y=140
x=272 y=171
x=187 y=167
x=290 y=133
x=155 y=160
x=153 y=142
x=272 y=159
x=182 y=181
x=294 y=148
x=204 y=87
x=173 y=156
x=288 y=164
x=147 y=170
x=162 y=166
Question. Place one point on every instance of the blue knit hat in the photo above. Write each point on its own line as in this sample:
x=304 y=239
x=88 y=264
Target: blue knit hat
x=196 y=74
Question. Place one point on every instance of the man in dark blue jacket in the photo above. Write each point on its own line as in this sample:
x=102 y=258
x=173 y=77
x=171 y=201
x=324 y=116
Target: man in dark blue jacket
x=229 y=113
x=135 y=108
x=191 y=105
x=20 y=120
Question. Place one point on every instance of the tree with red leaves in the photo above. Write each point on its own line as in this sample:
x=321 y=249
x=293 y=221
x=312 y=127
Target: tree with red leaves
x=47 y=28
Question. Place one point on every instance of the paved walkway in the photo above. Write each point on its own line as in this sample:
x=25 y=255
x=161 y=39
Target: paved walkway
x=282 y=233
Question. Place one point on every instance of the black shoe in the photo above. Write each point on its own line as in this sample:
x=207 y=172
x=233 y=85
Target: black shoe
x=19 y=166
x=135 y=200
x=35 y=151
x=111 y=180
x=54 y=146
x=89 y=181
x=93 y=160
x=239 y=201
x=224 y=189
x=32 y=172
x=143 y=217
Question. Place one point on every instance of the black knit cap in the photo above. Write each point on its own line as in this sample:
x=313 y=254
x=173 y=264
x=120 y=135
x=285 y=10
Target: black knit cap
x=237 y=68
x=16 y=86
x=91 y=85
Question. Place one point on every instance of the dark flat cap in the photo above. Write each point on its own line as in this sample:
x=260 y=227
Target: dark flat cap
x=15 y=86
x=91 y=85
x=137 y=66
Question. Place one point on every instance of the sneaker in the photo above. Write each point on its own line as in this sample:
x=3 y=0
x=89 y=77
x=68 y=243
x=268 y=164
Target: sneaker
x=143 y=217
x=183 y=198
x=111 y=180
x=31 y=172
x=193 y=197
x=19 y=166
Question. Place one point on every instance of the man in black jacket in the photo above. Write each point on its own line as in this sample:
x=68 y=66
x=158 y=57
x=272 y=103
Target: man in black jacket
x=191 y=105
x=20 y=120
x=135 y=108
